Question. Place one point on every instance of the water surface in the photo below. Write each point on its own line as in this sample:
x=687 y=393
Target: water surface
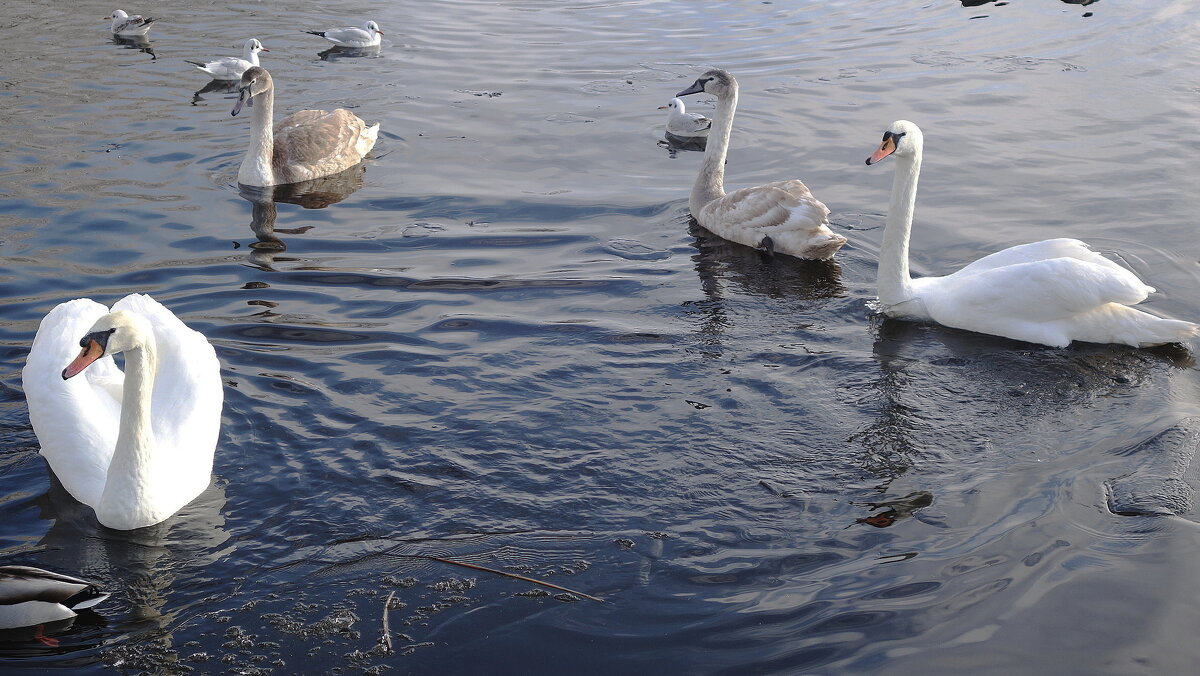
x=501 y=341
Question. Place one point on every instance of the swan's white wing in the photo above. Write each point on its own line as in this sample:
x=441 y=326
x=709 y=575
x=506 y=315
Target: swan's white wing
x=75 y=420
x=1063 y=247
x=1038 y=291
x=186 y=405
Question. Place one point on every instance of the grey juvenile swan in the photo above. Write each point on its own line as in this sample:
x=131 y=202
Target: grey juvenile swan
x=782 y=216
x=304 y=145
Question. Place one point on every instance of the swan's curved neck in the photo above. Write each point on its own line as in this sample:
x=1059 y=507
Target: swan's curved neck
x=256 y=167
x=710 y=184
x=126 y=488
x=894 y=283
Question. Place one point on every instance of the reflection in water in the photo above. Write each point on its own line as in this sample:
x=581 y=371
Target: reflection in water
x=674 y=144
x=217 y=86
x=338 y=52
x=316 y=194
x=138 y=567
x=139 y=43
x=895 y=510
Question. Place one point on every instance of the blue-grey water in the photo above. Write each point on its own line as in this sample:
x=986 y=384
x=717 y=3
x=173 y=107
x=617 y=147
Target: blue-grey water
x=501 y=342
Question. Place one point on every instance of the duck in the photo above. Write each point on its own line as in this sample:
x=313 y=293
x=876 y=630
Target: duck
x=135 y=446
x=126 y=26
x=231 y=67
x=352 y=36
x=32 y=596
x=781 y=217
x=1051 y=292
x=304 y=145
x=684 y=124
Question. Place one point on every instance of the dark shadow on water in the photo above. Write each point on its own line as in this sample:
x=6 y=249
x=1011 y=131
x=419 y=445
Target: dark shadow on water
x=337 y=52
x=316 y=194
x=139 y=43
x=214 y=86
x=674 y=144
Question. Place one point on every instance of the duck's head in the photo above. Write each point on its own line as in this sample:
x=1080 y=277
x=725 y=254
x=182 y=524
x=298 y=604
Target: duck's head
x=716 y=81
x=115 y=332
x=255 y=81
x=372 y=27
x=902 y=139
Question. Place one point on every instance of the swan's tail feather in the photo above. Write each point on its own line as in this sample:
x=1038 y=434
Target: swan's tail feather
x=1165 y=331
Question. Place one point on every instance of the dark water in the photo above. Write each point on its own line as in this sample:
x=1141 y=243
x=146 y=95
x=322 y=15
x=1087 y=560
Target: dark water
x=502 y=343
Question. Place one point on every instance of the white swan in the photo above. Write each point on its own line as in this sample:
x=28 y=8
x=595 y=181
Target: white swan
x=135 y=446
x=352 y=36
x=32 y=596
x=1050 y=292
x=126 y=26
x=231 y=67
x=782 y=216
x=684 y=124
x=304 y=145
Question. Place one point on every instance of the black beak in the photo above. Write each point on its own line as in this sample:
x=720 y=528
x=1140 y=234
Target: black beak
x=696 y=88
x=243 y=95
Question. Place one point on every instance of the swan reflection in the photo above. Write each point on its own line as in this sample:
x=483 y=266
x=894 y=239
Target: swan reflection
x=315 y=194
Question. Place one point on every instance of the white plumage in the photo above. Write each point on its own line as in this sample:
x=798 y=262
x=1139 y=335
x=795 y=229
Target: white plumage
x=684 y=124
x=1050 y=292
x=135 y=446
x=352 y=36
x=126 y=26
x=232 y=67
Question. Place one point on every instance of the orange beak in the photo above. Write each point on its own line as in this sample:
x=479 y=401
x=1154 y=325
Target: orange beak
x=90 y=353
x=886 y=148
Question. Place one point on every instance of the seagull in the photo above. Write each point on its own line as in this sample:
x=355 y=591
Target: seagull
x=684 y=124
x=231 y=67
x=126 y=26
x=367 y=36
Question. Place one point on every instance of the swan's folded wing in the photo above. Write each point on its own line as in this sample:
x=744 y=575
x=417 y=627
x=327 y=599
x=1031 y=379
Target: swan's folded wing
x=1062 y=247
x=317 y=137
x=187 y=400
x=1037 y=291
x=75 y=420
x=784 y=204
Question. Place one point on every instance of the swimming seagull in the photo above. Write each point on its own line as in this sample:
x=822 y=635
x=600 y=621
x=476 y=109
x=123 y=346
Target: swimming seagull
x=367 y=36
x=231 y=67
x=126 y=26
x=684 y=124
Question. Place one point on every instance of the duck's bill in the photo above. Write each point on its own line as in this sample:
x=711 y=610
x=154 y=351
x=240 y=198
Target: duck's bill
x=90 y=353
x=696 y=88
x=886 y=148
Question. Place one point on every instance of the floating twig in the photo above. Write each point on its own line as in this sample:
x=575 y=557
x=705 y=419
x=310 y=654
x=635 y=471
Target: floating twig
x=505 y=574
x=387 y=632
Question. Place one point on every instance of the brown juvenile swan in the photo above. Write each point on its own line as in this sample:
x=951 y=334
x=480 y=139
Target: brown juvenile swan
x=304 y=145
x=782 y=216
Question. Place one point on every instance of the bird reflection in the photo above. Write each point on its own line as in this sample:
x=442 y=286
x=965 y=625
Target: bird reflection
x=139 y=43
x=674 y=144
x=316 y=194
x=140 y=567
x=339 y=52
x=215 y=86
x=722 y=265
